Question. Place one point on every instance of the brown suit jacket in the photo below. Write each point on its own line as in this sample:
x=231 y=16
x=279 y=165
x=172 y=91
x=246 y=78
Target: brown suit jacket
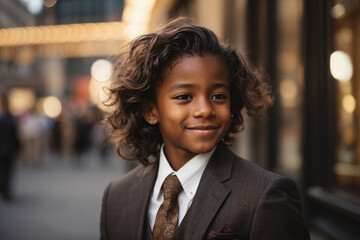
x=235 y=200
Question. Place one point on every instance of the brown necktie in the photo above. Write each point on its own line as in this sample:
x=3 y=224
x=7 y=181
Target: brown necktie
x=167 y=217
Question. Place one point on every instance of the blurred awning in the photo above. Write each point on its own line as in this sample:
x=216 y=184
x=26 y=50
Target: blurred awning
x=59 y=34
x=23 y=44
x=72 y=40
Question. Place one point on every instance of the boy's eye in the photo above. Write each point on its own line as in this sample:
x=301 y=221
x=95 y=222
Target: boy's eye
x=219 y=97
x=183 y=97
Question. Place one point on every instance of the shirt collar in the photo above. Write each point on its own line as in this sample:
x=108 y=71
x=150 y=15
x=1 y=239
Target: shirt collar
x=189 y=175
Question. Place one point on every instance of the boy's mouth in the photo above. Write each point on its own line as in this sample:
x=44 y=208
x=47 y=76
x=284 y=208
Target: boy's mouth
x=209 y=127
x=203 y=130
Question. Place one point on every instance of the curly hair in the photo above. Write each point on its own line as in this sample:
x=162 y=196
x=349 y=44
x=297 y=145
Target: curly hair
x=140 y=69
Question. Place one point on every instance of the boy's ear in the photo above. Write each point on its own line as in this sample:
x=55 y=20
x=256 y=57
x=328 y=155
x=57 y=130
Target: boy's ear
x=150 y=114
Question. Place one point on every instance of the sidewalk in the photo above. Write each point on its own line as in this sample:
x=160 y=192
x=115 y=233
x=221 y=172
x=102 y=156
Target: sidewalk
x=58 y=201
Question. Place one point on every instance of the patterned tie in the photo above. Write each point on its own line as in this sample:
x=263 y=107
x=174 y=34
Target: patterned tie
x=167 y=217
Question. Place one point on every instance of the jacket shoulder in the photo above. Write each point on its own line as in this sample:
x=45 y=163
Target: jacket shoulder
x=252 y=169
x=261 y=202
x=126 y=181
x=255 y=179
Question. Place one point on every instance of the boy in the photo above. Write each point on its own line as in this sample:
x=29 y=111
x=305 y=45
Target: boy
x=178 y=95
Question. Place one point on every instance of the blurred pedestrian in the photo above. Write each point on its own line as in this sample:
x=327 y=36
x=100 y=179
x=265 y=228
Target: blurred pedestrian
x=64 y=135
x=84 y=123
x=30 y=132
x=9 y=145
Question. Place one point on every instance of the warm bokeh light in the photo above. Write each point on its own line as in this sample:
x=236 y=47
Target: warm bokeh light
x=52 y=107
x=346 y=169
x=49 y=3
x=349 y=103
x=134 y=30
x=338 y=11
x=81 y=40
x=341 y=67
x=21 y=100
x=101 y=70
x=56 y=34
x=136 y=15
x=288 y=92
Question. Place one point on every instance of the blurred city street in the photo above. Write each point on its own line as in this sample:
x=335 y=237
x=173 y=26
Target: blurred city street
x=58 y=200
x=59 y=60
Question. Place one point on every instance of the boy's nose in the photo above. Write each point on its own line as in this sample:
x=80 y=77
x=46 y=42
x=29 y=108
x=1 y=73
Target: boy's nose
x=203 y=108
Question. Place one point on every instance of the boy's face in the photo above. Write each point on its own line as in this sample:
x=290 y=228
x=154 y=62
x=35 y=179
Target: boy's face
x=192 y=107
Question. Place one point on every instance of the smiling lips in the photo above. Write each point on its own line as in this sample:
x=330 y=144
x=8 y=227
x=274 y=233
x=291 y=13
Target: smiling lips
x=203 y=130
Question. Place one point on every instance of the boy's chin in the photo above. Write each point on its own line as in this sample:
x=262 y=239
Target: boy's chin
x=205 y=149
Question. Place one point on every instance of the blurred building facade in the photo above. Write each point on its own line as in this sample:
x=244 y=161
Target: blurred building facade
x=87 y=11
x=308 y=49
x=13 y=67
x=74 y=70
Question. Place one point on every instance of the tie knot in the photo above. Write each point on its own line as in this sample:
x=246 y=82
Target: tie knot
x=172 y=187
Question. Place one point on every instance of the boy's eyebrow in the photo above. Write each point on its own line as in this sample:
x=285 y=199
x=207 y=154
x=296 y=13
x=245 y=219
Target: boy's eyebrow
x=189 y=85
x=220 y=85
x=180 y=85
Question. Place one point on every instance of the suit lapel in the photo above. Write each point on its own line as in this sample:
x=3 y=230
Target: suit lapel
x=140 y=195
x=210 y=195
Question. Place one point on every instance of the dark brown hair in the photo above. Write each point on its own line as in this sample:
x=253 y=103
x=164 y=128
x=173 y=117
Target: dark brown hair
x=139 y=70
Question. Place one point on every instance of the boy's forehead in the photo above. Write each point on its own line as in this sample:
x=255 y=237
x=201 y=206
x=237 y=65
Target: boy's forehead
x=190 y=70
x=196 y=64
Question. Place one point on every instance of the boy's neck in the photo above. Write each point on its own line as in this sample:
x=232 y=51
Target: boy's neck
x=178 y=159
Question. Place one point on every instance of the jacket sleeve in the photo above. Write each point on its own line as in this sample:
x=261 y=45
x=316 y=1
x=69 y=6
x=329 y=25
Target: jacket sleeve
x=279 y=214
x=104 y=235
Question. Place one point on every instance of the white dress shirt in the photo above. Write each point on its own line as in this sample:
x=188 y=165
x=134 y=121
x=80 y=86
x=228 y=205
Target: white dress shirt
x=189 y=176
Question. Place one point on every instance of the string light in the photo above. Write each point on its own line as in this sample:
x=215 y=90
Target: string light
x=56 y=34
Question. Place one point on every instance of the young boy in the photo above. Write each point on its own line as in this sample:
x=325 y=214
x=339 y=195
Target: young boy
x=178 y=96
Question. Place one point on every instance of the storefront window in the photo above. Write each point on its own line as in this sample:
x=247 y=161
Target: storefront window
x=343 y=67
x=290 y=85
